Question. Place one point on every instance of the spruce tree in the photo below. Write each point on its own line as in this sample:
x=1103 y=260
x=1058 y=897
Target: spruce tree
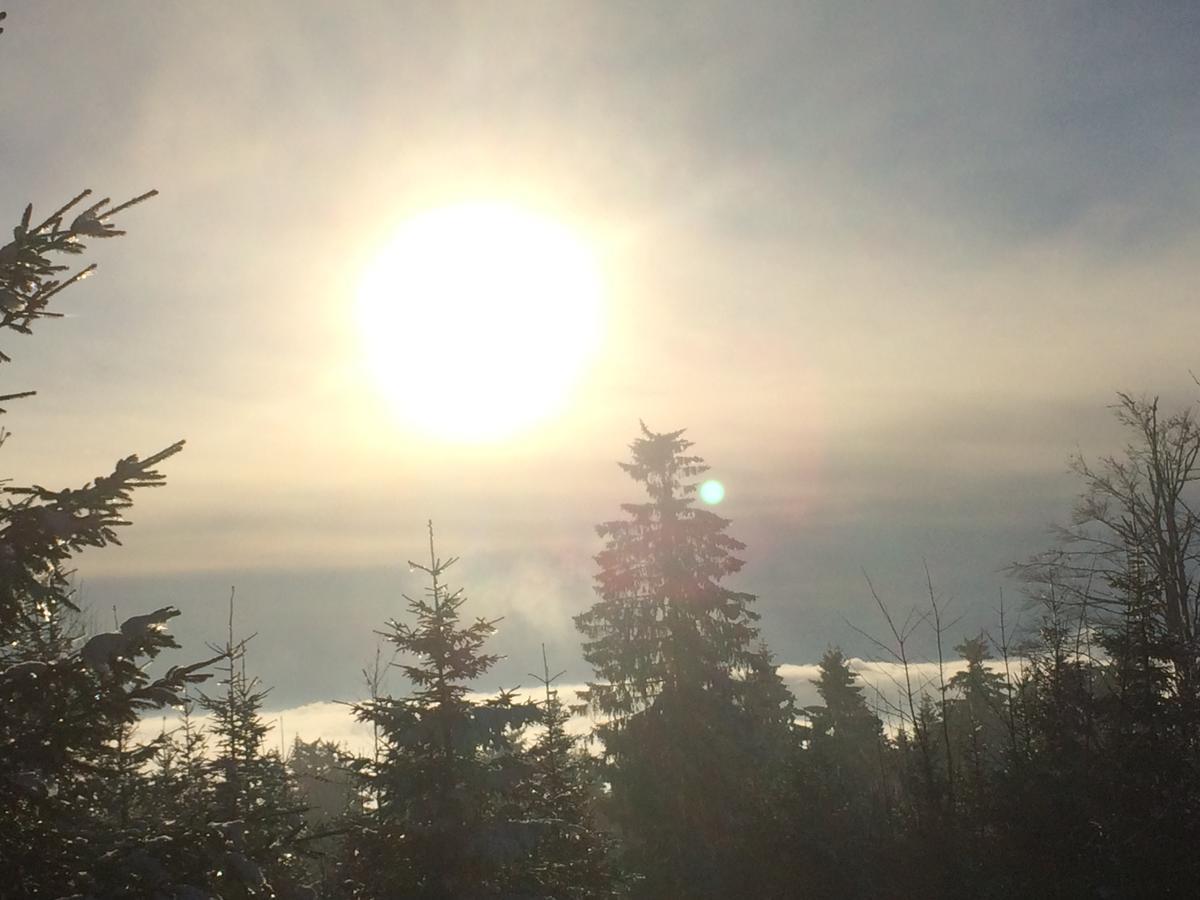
x=445 y=823
x=178 y=778
x=844 y=726
x=680 y=720
x=977 y=716
x=256 y=811
x=842 y=781
x=572 y=857
x=68 y=705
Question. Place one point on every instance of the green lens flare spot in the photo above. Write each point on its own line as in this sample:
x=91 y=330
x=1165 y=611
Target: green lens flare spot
x=712 y=492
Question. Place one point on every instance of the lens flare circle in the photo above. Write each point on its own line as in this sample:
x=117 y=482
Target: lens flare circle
x=478 y=319
x=712 y=492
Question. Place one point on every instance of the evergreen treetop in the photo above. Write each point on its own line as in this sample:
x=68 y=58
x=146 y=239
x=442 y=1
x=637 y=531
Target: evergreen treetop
x=664 y=621
x=443 y=825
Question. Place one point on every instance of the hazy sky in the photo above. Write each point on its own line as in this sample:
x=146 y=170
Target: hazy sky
x=887 y=263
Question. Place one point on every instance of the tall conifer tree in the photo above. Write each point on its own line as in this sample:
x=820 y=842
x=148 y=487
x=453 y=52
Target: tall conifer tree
x=978 y=720
x=680 y=720
x=842 y=803
x=844 y=729
x=446 y=824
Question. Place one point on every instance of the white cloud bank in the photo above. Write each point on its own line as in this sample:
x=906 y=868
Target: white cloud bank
x=883 y=684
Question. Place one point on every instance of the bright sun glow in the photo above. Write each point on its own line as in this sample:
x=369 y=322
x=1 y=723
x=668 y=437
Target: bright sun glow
x=478 y=319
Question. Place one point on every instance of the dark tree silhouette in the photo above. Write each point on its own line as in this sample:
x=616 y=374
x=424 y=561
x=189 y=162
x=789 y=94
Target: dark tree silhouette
x=253 y=795
x=687 y=733
x=572 y=855
x=446 y=823
x=66 y=761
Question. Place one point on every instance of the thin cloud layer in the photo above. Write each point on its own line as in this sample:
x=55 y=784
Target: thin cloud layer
x=887 y=266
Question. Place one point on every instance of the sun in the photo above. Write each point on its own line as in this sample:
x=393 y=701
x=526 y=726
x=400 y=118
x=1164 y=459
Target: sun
x=478 y=319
